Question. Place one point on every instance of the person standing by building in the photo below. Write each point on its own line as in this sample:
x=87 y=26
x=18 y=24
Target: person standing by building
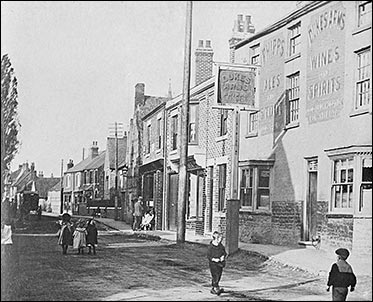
x=216 y=256
x=341 y=276
x=91 y=236
x=137 y=213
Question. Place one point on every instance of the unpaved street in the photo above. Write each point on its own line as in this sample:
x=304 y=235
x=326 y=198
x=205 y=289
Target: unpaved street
x=130 y=267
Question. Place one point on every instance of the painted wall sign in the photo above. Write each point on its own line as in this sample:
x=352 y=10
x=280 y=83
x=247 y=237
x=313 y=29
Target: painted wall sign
x=325 y=64
x=236 y=86
x=271 y=81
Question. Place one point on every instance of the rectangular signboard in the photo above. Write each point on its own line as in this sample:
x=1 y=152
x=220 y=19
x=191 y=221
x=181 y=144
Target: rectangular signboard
x=236 y=85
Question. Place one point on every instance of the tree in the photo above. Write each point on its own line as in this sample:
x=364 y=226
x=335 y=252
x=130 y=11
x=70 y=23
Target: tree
x=9 y=117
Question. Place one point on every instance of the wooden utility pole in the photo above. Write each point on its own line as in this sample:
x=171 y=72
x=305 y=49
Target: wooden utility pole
x=183 y=173
x=61 y=193
x=116 y=172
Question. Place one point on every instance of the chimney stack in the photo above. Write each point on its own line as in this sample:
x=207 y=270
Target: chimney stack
x=139 y=95
x=204 y=63
x=70 y=164
x=242 y=30
x=94 y=150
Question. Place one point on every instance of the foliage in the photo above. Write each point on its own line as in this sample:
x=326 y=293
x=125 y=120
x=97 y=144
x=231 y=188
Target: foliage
x=9 y=115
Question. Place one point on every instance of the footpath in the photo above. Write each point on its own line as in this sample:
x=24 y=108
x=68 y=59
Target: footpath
x=309 y=259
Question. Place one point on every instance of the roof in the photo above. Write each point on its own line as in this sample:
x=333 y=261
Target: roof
x=88 y=163
x=44 y=184
x=56 y=187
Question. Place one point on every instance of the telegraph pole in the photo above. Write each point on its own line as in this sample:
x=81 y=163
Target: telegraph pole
x=183 y=173
x=116 y=172
x=61 y=193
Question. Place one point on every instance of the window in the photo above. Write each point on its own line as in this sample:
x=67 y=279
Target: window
x=294 y=39
x=254 y=187
x=255 y=57
x=222 y=184
x=77 y=180
x=159 y=133
x=342 y=186
x=68 y=181
x=363 y=93
x=96 y=177
x=364 y=13
x=148 y=138
x=223 y=122
x=365 y=200
x=252 y=123
x=174 y=133
x=293 y=98
x=193 y=111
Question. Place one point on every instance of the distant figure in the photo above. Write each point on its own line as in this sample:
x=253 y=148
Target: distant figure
x=216 y=255
x=38 y=211
x=91 y=236
x=146 y=223
x=105 y=212
x=138 y=210
x=80 y=239
x=341 y=276
x=65 y=237
x=7 y=232
x=98 y=212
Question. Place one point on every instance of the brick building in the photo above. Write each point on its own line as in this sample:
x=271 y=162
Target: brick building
x=306 y=156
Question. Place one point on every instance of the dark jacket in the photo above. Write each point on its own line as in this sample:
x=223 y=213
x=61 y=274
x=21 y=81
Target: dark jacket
x=215 y=251
x=91 y=234
x=341 y=275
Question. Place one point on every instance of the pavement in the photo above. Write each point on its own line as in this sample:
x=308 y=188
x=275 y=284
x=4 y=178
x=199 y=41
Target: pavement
x=316 y=262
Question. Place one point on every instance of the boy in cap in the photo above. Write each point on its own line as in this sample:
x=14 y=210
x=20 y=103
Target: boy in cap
x=341 y=276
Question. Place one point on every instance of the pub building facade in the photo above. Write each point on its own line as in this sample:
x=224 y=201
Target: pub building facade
x=305 y=157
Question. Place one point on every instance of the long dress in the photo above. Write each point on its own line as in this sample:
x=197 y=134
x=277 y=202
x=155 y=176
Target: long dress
x=80 y=238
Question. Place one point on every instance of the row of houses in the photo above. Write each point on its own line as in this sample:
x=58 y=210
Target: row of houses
x=285 y=127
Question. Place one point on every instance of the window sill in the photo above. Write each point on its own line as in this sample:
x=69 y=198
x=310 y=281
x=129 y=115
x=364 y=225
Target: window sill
x=292 y=125
x=221 y=138
x=359 y=30
x=173 y=152
x=339 y=215
x=256 y=212
x=359 y=112
x=251 y=135
x=292 y=57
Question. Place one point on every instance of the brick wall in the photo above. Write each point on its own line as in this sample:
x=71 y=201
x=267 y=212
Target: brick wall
x=337 y=231
x=361 y=246
x=286 y=222
x=255 y=227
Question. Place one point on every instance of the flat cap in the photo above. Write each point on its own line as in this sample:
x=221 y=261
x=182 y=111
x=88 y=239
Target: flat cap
x=344 y=253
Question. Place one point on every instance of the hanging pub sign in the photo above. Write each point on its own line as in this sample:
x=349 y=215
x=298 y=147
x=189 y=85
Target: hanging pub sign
x=235 y=85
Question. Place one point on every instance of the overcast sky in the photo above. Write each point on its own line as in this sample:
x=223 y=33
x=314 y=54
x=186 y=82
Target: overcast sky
x=77 y=63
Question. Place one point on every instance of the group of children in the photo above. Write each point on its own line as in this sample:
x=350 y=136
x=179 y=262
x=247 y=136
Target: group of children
x=79 y=236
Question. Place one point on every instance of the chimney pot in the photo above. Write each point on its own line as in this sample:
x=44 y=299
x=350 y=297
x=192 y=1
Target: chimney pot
x=208 y=44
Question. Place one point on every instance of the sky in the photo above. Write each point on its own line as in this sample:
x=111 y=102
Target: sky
x=77 y=64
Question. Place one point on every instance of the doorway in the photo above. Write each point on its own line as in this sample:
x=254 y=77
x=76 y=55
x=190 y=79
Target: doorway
x=310 y=221
x=173 y=189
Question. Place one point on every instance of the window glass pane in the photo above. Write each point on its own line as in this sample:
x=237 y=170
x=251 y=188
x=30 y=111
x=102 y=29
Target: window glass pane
x=263 y=178
x=337 y=196
x=343 y=176
x=263 y=198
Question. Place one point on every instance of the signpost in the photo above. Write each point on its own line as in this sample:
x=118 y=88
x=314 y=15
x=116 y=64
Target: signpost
x=235 y=90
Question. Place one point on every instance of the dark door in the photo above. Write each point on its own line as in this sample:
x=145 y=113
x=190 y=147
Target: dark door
x=211 y=199
x=310 y=227
x=173 y=189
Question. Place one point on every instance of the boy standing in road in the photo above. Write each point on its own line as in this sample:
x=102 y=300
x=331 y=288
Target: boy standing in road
x=216 y=255
x=341 y=276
